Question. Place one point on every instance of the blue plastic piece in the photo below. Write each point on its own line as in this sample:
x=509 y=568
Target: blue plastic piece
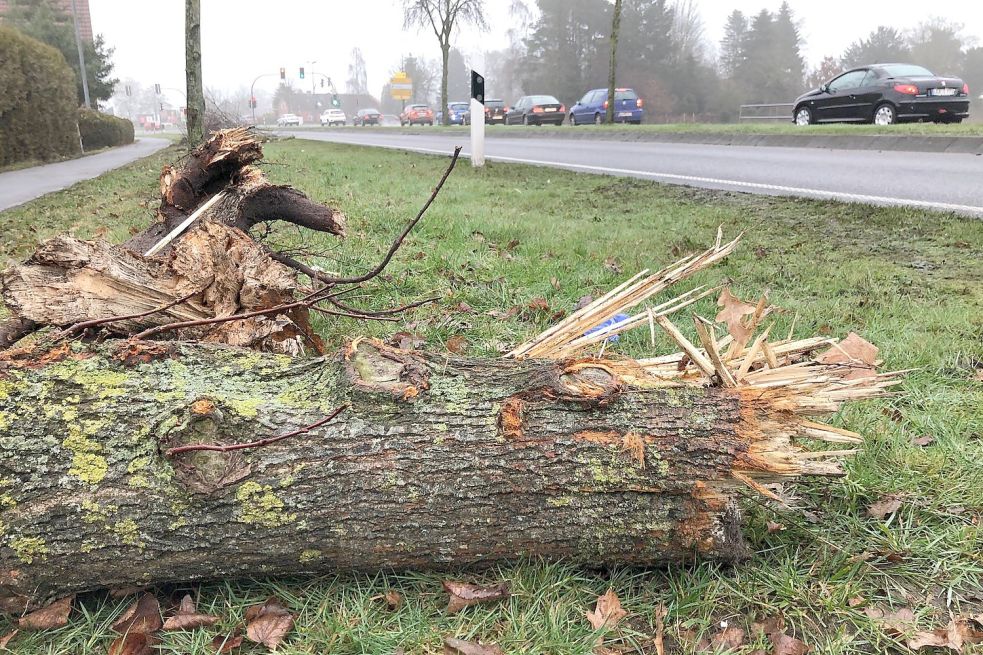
x=617 y=318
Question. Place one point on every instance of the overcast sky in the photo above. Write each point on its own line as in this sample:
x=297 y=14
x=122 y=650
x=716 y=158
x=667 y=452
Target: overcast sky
x=242 y=39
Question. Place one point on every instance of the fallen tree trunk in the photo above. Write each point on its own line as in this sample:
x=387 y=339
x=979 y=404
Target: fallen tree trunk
x=437 y=462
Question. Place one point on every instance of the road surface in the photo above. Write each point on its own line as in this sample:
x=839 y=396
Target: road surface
x=17 y=187
x=939 y=181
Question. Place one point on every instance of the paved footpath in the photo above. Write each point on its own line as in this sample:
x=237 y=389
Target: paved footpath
x=18 y=187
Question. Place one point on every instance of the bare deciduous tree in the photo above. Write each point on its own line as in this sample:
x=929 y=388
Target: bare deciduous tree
x=357 y=77
x=615 y=28
x=441 y=16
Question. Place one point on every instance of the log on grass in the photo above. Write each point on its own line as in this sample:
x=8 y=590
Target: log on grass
x=438 y=462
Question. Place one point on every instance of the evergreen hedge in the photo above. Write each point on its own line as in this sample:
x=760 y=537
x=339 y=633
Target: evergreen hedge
x=102 y=130
x=37 y=101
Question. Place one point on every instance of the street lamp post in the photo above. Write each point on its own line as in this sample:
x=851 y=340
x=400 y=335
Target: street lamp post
x=252 y=89
x=78 y=43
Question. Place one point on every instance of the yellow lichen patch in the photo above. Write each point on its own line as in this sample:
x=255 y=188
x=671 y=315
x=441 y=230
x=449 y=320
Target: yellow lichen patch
x=87 y=464
x=89 y=468
x=28 y=549
x=93 y=512
x=246 y=407
x=4 y=421
x=6 y=387
x=128 y=532
x=260 y=506
x=310 y=555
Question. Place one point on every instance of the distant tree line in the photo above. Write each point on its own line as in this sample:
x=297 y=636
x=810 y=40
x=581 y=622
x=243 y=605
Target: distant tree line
x=563 y=49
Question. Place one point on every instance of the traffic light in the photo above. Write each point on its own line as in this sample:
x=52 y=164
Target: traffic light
x=283 y=73
x=301 y=72
x=334 y=100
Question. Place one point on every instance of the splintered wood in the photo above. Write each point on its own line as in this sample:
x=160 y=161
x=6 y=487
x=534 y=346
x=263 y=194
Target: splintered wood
x=802 y=378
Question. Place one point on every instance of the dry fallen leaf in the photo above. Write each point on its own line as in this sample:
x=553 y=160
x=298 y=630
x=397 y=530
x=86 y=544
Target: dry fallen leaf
x=730 y=638
x=142 y=617
x=607 y=612
x=884 y=507
x=769 y=625
x=583 y=302
x=406 y=340
x=465 y=308
x=188 y=618
x=54 y=615
x=895 y=622
x=134 y=643
x=457 y=344
x=783 y=644
x=393 y=599
x=226 y=643
x=5 y=639
x=978 y=376
x=855 y=601
x=923 y=441
x=954 y=636
x=733 y=312
x=612 y=264
x=454 y=646
x=775 y=527
x=555 y=283
x=855 y=351
x=268 y=623
x=538 y=304
x=463 y=594
x=660 y=629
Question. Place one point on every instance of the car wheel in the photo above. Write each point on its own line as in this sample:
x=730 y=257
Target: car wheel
x=803 y=116
x=597 y=119
x=885 y=115
x=573 y=120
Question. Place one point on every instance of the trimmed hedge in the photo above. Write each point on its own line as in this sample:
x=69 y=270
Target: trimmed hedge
x=102 y=130
x=37 y=101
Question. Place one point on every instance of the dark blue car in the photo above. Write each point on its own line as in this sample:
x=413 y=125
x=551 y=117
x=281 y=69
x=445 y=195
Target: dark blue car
x=593 y=107
x=459 y=112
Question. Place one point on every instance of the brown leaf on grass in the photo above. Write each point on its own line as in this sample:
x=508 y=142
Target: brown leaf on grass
x=268 y=623
x=454 y=646
x=463 y=594
x=775 y=527
x=538 y=305
x=923 y=441
x=769 y=625
x=188 y=618
x=783 y=644
x=660 y=629
x=978 y=375
x=392 y=598
x=457 y=344
x=959 y=633
x=895 y=622
x=732 y=313
x=142 y=617
x=855 y=601
x=406 y=340
x=5 y=639
x=512 y=245
x=693 y=641
x=884 y=507
x=854 y=351
x=464 y=308
x=730 y=638
x=607 y=611
x=54 y=615
x=226 y=643
x=612 y=264
x=583 y=302
x=555 y=283
x=134 y=643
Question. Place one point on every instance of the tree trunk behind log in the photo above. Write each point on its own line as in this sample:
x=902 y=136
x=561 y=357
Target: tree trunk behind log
x=439 y=462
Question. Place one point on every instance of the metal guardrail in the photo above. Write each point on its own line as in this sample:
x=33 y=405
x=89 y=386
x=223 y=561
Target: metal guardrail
x=776 y=111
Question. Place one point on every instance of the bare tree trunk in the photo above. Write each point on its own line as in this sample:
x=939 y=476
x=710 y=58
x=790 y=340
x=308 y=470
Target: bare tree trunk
x=612 y=72
x=440 y=461
x=195 y=90
x=445 y=50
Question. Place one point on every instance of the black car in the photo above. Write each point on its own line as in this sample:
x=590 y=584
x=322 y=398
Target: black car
x=885 y=94
x=367 y=117
x=536 y=110
x=494 y=111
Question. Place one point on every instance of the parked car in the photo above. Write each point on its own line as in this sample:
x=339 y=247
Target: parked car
x=459 y=112
x=495 y=111
x=416 y=115
x=289 y=119
x=367 y=117
x=593 y=107
x=536 y=110
x=333 y=117
x=885 y=94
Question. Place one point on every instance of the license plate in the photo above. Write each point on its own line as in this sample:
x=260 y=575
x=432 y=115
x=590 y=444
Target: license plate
x=943 y=92
x=624 y=114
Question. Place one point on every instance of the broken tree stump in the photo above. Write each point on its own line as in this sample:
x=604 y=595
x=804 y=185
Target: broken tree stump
x=438 y=462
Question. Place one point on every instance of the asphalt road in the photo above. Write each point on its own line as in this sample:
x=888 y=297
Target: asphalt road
x=17 y=187
x=939 y=181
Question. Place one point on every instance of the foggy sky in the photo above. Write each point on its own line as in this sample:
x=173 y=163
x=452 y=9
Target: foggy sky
x=245 y=38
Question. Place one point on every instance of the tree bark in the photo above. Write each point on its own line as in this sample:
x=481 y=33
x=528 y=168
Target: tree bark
x=612 y=72
x=445 y=50
x=439 y=462
x=195 y=111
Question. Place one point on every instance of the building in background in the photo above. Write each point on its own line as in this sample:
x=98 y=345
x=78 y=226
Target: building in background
x=85 y=19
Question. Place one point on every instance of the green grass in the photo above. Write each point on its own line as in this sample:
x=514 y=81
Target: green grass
x=908 y=280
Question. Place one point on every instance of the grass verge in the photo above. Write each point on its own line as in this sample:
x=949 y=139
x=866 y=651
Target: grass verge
x=910 y=281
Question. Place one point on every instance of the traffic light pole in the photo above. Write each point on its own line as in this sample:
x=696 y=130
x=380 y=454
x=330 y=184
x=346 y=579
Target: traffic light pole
x=252 y=89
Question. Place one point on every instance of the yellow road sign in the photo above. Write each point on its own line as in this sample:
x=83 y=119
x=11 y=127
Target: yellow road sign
x=401 y=86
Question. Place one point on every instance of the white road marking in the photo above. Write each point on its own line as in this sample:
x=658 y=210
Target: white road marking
x=695 y=179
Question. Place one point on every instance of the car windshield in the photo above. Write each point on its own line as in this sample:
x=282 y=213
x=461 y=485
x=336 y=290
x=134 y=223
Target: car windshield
x=494 y=104
x=418 y=107
x=458 y=105
x=544 y=100
x=625 y=94
x=906 y=70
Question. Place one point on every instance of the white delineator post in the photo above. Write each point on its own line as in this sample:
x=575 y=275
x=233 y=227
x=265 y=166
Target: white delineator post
x=477 y=133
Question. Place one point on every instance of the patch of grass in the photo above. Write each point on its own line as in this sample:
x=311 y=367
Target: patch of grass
x=908 y=280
